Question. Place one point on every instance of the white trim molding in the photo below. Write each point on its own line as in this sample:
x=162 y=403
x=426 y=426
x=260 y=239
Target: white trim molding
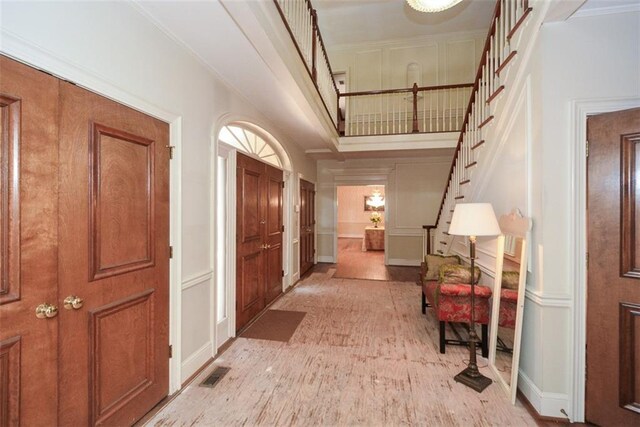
x=195 y=361
x=404 y=262
x=551 y=404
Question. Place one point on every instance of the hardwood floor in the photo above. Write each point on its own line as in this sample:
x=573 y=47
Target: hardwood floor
x=363 y=355
x=354 y=263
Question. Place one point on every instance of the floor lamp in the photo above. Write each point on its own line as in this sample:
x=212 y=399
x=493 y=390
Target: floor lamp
x=472 y=220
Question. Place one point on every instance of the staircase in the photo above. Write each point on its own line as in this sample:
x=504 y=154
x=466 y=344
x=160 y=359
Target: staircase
x=490 y=84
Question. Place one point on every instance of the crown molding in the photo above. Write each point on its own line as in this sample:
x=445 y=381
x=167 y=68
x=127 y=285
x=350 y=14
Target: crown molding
x=608 y=10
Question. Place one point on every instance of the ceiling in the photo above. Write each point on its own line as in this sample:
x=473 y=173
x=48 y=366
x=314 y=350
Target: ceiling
x=358 y=21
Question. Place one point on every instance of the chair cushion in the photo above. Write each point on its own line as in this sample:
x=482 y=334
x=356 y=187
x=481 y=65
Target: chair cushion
x=433 y=263
x=452 y=273
x=509 y=295
x=510 y=279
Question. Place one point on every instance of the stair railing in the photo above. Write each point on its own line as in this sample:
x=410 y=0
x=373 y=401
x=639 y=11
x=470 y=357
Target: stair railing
x=409 y=110
x=497 y=54
x=301 y=21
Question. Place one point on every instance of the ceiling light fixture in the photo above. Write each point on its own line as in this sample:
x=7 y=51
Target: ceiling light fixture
x=432 y=5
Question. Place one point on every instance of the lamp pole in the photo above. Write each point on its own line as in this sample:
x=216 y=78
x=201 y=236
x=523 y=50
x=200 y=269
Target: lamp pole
x=471 y=376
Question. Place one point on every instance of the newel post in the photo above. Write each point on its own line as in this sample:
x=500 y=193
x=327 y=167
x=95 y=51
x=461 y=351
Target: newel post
x=415 y=107
x=314 y=48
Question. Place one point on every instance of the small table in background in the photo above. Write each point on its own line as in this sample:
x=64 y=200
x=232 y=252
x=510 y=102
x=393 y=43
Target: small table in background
x=373 y=239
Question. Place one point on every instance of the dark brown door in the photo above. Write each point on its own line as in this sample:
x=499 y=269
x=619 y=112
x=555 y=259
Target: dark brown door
x=28 y=244
x=273 y=233
x=114 y=255
x=307 y=226
x=258 y=237
x=613 y=298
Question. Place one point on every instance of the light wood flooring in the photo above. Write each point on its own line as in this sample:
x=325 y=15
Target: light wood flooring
x=354 y=263
x=363 y=355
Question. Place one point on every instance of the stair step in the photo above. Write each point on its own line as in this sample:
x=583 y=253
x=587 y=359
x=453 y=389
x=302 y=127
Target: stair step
x=495 y=94
x=486 y=122
x=477 y=145
x=519 y=23
x=466 y=181
x=505 y=62
x=471 y=165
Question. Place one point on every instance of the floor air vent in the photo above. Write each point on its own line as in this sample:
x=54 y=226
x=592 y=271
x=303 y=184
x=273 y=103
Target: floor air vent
x=215 y=376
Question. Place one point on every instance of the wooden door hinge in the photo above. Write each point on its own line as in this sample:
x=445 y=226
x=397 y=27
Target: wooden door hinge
x=171 y=148
x=283 y=228
x=170 y=351
x=170 y=252
x=282 y=184
x=282 y=273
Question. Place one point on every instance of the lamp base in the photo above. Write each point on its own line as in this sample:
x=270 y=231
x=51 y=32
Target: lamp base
x=473 y=379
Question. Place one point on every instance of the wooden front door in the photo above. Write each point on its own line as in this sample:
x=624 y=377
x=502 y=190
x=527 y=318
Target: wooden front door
x=258 y=237
x=307 y=226
x=28 y=244
x=85 y=221
x=613 y=296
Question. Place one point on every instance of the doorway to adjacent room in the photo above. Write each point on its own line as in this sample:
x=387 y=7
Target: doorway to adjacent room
x=361 y=232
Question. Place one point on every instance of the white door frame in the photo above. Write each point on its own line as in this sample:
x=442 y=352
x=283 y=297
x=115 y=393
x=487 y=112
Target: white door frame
x=580 y=111
x=361 y=181
x=33 y=56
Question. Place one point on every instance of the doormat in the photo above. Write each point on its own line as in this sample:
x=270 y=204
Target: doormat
x=275 y=325
x=215 y=376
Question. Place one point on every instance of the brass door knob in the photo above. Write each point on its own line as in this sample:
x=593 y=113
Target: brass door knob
x=46 y=311
x=73 y=302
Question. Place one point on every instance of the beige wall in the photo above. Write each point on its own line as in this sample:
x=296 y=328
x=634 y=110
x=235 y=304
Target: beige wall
x=352 y=218
x=413 y=190
x=446 y=59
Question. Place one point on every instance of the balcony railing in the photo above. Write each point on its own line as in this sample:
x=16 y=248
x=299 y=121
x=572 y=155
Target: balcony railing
x=301 y=20
x=411 y=110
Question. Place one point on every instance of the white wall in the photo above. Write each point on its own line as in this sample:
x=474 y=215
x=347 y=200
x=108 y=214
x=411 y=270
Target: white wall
x=529 y=164
x=413 y=190
x=352 y=218
x=444 y=59
x=112 y=48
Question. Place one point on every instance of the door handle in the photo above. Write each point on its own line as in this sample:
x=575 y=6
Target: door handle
x=46 y=311
x=73 y=302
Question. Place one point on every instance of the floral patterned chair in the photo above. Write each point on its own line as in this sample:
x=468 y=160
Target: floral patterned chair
x=451 y=303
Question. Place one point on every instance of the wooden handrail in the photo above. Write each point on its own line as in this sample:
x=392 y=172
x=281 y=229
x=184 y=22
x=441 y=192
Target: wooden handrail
x=467 y=114
x=405 y=90
x=313 y=71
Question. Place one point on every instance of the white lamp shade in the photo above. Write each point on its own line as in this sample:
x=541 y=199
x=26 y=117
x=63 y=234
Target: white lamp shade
x=474 y=219
x=432 y=5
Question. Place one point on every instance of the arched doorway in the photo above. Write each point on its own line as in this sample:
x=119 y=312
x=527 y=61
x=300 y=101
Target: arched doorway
x=252 y=141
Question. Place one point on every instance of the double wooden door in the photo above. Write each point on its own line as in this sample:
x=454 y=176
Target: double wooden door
x=85 y=255
x=259 y=229
x=613 y=284
x=307 y=226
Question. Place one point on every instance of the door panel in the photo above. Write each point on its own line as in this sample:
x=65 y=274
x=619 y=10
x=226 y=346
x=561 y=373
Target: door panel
x=307 y=226
x=114 y=254
x=28 y=239
x=613 y=300
x=250 y=211
x=259 y=220
x=274 y=223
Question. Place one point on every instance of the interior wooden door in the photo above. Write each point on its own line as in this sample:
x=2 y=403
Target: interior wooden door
x=307 y=226
x=613 y=298
x=273 y=230
x=114 y=255
x=28 y=245
x=250 y=243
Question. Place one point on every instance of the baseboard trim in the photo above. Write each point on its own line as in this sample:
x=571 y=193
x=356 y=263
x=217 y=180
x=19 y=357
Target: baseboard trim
x=195 y=361
x=404 y=262
x=328 y=259
x=350 y=236
x=547 y=405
